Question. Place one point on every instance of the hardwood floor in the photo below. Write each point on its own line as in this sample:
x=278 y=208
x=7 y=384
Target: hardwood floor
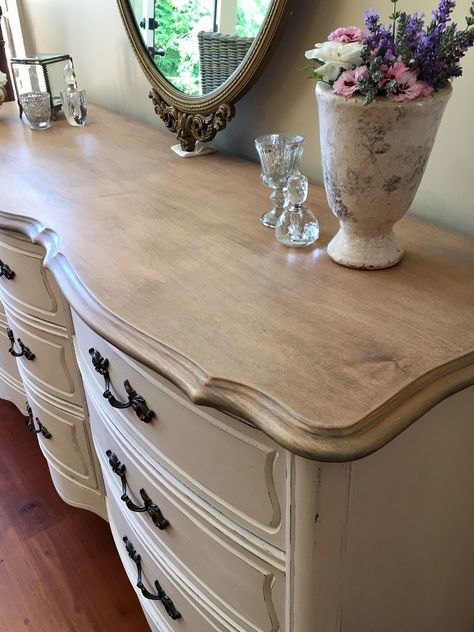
x=59 y=570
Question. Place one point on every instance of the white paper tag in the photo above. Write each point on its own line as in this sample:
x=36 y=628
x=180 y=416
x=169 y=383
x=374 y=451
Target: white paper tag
x=201 y=149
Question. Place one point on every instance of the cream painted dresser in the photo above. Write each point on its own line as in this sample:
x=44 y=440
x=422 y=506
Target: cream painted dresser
x=285 y=444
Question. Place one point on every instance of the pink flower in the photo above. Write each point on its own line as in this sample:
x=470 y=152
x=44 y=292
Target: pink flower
x=347 y=35
x=348 y=81
x=361 y=73
x=397 y=72
x=411 y=91
x=425 y=88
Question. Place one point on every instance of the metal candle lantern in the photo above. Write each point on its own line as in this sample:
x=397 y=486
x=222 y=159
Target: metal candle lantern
x=40 y=73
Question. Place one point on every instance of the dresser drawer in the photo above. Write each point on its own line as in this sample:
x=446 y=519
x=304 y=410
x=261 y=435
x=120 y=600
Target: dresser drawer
x=247 y=589
x=192 y=618
x=68 y=447
x=54 y=366
x=32 y=288
x=233 y=466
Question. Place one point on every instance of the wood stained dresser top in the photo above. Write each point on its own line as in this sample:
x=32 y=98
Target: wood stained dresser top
x=166 y=258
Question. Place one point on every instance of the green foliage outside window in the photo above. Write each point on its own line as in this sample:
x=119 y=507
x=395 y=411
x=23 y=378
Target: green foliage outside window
x=250 y=16
x=180 y=21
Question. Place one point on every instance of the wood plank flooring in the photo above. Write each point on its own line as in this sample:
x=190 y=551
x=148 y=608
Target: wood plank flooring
x=59 y=570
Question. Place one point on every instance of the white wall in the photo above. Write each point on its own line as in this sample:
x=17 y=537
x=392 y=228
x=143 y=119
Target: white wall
x=281 y=100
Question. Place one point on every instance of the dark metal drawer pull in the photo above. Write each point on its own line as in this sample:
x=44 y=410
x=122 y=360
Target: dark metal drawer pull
x=30 y=424
x=6 y=271
x=155 y=512
x=160 y=593
x=25 y=351
x=135 y=400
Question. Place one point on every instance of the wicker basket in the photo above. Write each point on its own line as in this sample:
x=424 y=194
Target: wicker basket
x=219 y=56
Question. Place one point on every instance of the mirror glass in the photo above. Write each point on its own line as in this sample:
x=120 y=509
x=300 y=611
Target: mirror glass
x=198 y=44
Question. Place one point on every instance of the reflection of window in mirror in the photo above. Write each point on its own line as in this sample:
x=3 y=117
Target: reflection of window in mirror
x=170 y=31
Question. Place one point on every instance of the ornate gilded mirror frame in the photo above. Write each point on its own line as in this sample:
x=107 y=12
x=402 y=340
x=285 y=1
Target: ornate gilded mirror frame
x=195 y=118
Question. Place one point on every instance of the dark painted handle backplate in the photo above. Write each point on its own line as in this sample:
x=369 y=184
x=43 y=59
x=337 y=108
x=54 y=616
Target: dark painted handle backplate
x=30 y=424
x=6 y=271
x=24 y=350
x=155 y=512
x=135 y=400
x=160 y=593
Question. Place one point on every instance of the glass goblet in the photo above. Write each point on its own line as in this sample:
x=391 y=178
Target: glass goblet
x=280 y=157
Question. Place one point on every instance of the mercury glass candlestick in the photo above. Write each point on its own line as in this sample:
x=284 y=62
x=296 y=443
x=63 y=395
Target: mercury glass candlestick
x=280 y=157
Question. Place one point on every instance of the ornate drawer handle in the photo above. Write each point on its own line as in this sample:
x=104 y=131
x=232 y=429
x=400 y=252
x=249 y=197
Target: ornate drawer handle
x=155 y=512
x=135 y=400
x=30 y=424
x=160 y=594
x=6 y=271
x=24 y=350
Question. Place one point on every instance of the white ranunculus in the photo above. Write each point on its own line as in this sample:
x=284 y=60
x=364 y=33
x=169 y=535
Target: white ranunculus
x=3 y=78
x=335 y=57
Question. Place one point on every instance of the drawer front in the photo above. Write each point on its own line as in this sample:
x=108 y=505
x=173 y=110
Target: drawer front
x=32 y=288
x=68 y=447
x=247 y=589
x=233 y=466
x=197 y=613
x=54 y=366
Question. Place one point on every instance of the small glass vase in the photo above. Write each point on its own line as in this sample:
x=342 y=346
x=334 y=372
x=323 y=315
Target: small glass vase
x=37 y=109
x=280 y=157
x=75 y=106
x=297 y=226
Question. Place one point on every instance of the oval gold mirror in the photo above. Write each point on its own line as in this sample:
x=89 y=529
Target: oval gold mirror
x=200 y=57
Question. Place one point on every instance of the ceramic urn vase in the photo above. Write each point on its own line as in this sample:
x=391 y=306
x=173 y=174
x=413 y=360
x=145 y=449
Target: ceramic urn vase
x=373 y=159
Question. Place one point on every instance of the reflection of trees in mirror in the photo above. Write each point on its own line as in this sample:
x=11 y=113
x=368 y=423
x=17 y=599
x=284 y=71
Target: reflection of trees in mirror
x=179 y=23
x=250 y=16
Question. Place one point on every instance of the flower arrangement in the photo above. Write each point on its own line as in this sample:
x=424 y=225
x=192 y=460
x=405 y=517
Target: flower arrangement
x=3 y=79
x=402 y=61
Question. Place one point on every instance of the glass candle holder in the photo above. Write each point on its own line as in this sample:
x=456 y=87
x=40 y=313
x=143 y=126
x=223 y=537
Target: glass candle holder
x=280 y=157
x=75 y=106
x=37 y=108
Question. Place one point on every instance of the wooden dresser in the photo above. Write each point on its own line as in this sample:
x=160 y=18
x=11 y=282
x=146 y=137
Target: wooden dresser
x=281 y=444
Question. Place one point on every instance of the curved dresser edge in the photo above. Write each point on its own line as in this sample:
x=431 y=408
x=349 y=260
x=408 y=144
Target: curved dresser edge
x=302 y=437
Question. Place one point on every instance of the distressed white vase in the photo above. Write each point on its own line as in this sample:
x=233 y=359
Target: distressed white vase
x=373 y=159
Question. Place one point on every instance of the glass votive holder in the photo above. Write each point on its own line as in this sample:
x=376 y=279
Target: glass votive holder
x=75 y=106
x=37 y=109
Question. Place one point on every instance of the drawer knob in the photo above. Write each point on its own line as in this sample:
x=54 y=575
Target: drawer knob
x=6 y=271
x=149 y=506
x=135 y=400
x=30 y=424
x=160 y=593
x=24 y=350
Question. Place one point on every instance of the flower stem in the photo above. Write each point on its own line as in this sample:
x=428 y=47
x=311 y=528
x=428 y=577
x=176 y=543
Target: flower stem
x=394 y=17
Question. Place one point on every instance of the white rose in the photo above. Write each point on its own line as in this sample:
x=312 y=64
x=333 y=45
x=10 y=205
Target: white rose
x=3 y=78
x=335 y=56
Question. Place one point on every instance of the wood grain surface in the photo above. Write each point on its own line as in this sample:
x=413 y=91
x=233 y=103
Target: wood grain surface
x=166 y=259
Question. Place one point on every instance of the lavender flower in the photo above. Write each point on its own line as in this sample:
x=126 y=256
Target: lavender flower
x=442 y=14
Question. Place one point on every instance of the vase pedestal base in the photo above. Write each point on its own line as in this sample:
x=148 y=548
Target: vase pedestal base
x=365 y=252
